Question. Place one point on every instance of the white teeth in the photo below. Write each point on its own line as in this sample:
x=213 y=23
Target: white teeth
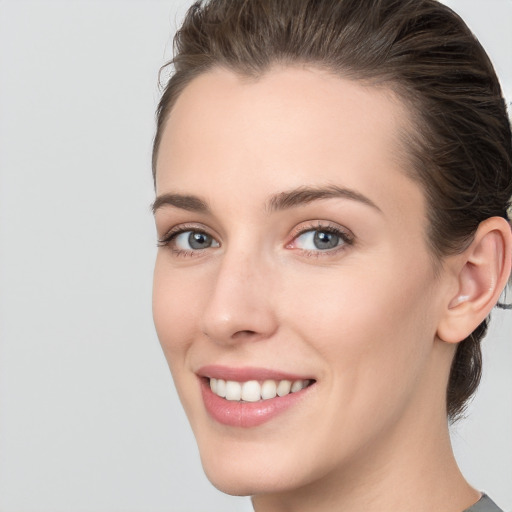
x=268 y=389
x=221 y=388
x=253 y=391
x=284 y=387
x=233 y=390
x=297 y=385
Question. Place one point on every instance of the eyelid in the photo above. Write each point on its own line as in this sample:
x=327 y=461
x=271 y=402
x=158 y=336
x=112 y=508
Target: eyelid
x=178 y=229
x=345 y=234
x=319 y=225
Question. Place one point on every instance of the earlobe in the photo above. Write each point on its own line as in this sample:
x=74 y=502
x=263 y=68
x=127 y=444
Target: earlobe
x=482 y=272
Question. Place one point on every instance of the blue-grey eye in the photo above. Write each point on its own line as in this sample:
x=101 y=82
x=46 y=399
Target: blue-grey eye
x=318 y=240
x=194 y=241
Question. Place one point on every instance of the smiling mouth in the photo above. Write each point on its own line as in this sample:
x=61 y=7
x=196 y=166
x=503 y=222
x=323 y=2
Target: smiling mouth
x=248 y=397
x=256 y=391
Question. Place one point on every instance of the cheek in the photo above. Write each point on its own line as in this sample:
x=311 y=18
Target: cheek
x=366 y=321
x=175 y=314
x=365 y=327
x=175 y=309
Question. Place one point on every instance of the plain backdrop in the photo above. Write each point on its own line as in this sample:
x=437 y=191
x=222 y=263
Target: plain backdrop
x=89 y=419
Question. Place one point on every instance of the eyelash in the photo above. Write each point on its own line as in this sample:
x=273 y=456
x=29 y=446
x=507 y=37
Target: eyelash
x=346 y=238
x=172 y=234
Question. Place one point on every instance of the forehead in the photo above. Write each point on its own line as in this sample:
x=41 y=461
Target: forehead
x=288 y=128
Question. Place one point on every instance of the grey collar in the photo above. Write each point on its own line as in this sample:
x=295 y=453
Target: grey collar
x=484 y=504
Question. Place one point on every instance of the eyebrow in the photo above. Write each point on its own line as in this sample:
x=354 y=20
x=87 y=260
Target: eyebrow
x=305 y=195
x=184 y=202
x=278 y=202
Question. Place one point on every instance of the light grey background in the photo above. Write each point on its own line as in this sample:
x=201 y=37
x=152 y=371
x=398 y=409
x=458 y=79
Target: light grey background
x=89 y=420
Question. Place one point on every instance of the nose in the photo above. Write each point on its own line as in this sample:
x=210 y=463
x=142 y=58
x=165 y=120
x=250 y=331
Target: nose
x=239 y=307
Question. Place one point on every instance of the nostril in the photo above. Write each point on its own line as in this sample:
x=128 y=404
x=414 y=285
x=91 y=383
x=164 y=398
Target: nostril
x=236 y=336
x=244 y=334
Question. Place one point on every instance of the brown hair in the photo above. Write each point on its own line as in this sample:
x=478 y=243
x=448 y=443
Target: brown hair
x=461 y=149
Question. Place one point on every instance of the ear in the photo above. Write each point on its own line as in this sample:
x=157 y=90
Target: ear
x=481 y=274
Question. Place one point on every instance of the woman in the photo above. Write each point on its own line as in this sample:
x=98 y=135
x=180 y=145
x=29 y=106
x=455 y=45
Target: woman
x=333 y=185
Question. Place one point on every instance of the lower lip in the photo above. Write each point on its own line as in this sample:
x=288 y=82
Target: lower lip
x=247 y=414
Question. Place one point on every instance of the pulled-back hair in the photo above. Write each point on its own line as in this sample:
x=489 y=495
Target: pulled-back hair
x=461 y=148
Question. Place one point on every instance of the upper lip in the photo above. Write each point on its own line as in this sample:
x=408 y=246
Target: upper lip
x=246 y=373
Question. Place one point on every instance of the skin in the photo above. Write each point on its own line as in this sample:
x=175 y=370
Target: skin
x=362 y=318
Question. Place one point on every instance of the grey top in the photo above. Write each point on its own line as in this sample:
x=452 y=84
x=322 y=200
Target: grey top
x=485 y=504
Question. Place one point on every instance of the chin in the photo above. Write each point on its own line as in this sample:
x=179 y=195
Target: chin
x=251 y=471
x=234 y=485
x=252 y=481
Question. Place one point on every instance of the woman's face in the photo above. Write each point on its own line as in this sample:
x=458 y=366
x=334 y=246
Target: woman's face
x=293 y=253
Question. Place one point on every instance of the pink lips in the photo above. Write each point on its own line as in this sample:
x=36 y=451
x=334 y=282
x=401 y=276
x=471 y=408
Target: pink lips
x=246 y=414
